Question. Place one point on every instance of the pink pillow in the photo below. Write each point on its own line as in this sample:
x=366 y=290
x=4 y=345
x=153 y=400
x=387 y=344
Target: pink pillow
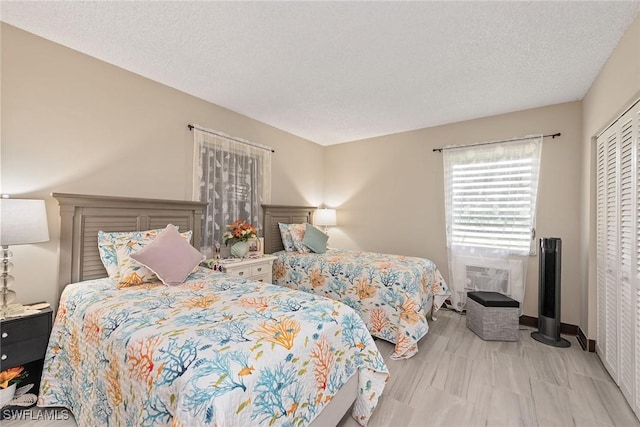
x=169 y=256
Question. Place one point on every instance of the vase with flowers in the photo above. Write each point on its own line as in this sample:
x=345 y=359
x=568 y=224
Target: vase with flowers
x=238 y=234
x=8 y=380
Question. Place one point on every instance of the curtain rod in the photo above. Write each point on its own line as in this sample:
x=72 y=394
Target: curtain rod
x=552 y=136
x=241 y=141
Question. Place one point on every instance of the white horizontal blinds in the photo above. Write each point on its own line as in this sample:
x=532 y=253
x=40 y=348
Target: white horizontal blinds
x=492 y=195
x=492 y=204
x=601 y=246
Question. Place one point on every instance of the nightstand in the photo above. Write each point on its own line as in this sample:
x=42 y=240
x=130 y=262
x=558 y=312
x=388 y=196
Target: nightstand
x=23 y=342
x=258 y=269
x=24 y=339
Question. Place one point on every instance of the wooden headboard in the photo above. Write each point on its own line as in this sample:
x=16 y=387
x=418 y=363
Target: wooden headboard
x=273 y=214
x=81 y=217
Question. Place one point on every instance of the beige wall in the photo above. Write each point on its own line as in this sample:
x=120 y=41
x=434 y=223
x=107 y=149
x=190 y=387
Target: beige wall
x=72 y=123
x=615 y=88
x=389 y=191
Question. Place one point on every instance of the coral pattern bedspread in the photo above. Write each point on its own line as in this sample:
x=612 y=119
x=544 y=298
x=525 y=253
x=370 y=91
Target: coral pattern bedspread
x=214 y=351
x=391 y=292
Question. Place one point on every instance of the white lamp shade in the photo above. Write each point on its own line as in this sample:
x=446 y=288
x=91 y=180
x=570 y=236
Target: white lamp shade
x=23 y=221
x=326 y=217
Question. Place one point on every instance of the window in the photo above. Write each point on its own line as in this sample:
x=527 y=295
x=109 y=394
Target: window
x=234 y=178
x=490 y=193
x=490 y=204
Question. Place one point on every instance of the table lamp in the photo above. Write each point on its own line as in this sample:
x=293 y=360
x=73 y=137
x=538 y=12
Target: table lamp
x=326 y=217
x=22 y=221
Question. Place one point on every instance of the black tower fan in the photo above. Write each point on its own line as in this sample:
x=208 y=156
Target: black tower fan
x=549 y=293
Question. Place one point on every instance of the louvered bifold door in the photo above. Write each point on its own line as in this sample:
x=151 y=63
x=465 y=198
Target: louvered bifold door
x=601 y=202
x=635 y=404
x=627 y=264
x=618 y=253
x=611 y=256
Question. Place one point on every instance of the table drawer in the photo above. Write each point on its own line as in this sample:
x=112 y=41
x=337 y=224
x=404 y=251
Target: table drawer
x=240 y=271
x=257 y=270
x=23 y=352
x=24 y=328
x=266 y=278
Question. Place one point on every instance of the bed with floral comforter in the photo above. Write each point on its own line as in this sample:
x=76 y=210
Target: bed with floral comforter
x=393 y=294
x=214 y=351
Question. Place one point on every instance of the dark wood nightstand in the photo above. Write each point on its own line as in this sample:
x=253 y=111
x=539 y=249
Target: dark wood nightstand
x=24 y=339
x=23 y=342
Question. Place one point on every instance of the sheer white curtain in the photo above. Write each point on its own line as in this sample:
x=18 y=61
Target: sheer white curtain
x=490 y=203
x=234 y=178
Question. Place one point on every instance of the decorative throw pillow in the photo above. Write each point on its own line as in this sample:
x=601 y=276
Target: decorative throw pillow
x=315 y=239
x=108 y=254
x=107 y=247
x=131 y=272
x=297 y=236
x=286 y=237
x=169 y=256
x=109 y=241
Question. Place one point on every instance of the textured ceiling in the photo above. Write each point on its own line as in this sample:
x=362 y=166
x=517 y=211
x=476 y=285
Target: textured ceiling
x=333 y=72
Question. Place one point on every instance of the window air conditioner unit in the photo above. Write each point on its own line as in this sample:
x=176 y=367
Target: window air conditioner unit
x=489 y=274
x=481 y=277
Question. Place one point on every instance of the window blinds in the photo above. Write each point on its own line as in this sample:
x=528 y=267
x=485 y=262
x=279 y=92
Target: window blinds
x=491 y=195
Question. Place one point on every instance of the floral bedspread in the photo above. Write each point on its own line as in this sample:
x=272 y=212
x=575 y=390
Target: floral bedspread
x=214 y=351
x=391 y=292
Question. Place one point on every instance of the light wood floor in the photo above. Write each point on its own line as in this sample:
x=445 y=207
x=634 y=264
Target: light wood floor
x=457 y=379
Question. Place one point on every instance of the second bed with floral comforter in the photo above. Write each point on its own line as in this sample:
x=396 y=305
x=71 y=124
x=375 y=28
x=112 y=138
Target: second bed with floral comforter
x=392 y=293
x=214 y=351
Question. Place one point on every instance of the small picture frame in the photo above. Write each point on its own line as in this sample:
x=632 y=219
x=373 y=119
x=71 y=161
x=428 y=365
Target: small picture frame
x=256 y=247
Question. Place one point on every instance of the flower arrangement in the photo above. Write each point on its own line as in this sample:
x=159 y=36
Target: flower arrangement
x=239 y=230
x=12 y=376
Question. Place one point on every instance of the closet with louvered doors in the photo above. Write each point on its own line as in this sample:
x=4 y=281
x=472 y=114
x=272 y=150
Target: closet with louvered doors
x=618 y=253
